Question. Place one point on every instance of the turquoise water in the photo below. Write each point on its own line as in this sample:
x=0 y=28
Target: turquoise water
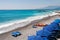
x=9 y=15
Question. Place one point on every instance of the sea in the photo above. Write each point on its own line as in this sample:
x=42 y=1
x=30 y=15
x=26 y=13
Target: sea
x=7 y=16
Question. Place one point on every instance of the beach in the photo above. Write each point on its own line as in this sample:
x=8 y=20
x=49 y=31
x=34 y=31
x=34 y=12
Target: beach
x=28 y=30
x=6 y=27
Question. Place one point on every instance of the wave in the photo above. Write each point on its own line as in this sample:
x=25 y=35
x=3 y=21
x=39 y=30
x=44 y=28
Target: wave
x=21 y=23
x=27 y=19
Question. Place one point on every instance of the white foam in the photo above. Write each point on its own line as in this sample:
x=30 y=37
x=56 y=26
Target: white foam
x=21 y=23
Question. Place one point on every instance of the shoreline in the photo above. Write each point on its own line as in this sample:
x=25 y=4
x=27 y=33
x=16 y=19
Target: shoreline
x=17 y=25
x=27 y=30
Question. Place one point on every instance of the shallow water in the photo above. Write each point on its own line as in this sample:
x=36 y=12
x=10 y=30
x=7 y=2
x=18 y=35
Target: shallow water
x=10 y=15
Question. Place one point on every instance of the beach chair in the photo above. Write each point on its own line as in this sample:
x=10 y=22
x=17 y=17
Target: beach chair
x=15 y=34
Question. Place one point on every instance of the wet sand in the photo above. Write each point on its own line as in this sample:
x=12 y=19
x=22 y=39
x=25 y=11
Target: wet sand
x=26 y=31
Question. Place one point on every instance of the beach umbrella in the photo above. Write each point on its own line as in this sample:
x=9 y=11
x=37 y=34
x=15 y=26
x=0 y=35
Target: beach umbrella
x=56 y=33
x=46 y=33
x=51 y=27
x=34 y=38
x=31 y=37
x=43 y=33
x=44 y=38
x=47 y=30
x=57 y=21
x=51 y=37
x=38 y=38
x=39 y=32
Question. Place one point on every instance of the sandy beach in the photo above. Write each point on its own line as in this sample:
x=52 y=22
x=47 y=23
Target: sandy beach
x=28 y=30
